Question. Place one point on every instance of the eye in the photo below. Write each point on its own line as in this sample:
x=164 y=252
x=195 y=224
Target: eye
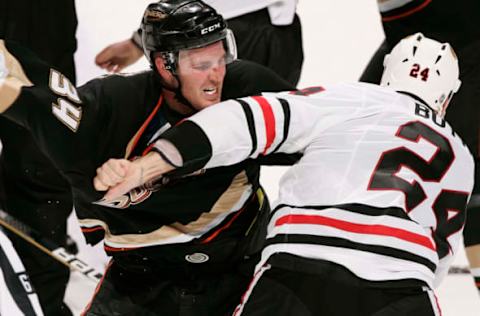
x=202 y=66
x=222 y=60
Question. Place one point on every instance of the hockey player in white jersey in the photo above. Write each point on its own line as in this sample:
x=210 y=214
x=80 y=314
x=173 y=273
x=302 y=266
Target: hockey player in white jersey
x=368 y=220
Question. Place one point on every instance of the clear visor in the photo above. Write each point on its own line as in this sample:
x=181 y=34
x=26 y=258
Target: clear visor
x=209 y=57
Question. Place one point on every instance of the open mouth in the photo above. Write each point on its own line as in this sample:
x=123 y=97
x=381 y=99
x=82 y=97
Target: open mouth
x=210 y=91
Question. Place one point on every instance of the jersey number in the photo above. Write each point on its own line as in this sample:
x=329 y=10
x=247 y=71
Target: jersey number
x=65 y=111
x=416 y=70
x=447 y=202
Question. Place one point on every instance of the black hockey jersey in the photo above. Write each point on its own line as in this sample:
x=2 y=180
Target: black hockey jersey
x=443 y=20
x=81 y=129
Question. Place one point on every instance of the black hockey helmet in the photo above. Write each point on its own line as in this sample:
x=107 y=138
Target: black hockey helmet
x=169 y=26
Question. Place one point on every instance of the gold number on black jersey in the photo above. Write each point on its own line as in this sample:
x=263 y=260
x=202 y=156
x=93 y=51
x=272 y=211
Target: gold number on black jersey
x=65 y=111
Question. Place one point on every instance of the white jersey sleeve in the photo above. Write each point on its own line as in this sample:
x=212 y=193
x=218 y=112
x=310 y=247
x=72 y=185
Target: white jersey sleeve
x=254 y=126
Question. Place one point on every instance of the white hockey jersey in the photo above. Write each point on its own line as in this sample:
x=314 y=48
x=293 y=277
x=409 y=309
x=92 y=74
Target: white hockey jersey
x=381 y=188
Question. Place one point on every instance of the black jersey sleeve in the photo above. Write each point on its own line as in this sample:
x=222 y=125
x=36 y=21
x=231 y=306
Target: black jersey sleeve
x=40 y=99
x=78 y=128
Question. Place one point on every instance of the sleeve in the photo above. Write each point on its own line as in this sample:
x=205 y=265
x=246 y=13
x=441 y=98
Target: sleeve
x=27 y=79
x=397 y=9
x=235 y=130
x=137 y=38
x=44 y=101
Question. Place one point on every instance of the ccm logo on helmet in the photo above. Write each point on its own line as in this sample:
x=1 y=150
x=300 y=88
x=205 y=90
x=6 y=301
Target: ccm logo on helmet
x=211 y=28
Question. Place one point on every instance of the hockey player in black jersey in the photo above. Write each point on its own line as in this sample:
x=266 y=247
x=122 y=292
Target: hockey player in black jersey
x=456 y=23
x=179 y=245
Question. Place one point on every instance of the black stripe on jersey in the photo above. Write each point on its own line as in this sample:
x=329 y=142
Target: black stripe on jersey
x=354 y=207
x=250 y=122
x=344 y=243
x=14 y=285
x=286 y=126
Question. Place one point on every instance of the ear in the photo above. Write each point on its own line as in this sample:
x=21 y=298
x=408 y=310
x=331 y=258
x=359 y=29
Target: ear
x=164 y=73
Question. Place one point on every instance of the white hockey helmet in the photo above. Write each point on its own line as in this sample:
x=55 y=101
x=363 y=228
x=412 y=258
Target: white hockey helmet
x=425 y=68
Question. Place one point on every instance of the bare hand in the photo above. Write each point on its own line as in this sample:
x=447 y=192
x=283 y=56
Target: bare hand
x=119 y=176
x=119 y=55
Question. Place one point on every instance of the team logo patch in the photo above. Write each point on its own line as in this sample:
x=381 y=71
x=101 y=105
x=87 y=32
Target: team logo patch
x=143 y=192
x=197 y=257
x=154 y=15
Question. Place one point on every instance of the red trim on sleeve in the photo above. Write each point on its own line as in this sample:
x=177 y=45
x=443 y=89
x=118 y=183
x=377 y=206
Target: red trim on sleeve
x=269 y=119
x=407 y=13
x=91 y=229
x=113 y=249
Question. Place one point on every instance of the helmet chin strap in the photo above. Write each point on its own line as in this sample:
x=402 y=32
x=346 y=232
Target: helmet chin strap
x=179 y=95
x=177 y=91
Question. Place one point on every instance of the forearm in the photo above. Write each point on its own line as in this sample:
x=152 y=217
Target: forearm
x=152 y=166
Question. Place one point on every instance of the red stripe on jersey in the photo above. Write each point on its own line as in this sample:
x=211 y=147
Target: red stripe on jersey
x=437 y=303
x=97 y=288
x=91 y=229
x=407 y=13
x=229 y=223
x=256 y=276
x=113 y=249
x=269 y=121
x=357 y=228
x=140 y=132
x=148 y=149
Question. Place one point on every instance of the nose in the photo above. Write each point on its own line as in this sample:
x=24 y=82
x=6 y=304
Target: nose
x=214 y=73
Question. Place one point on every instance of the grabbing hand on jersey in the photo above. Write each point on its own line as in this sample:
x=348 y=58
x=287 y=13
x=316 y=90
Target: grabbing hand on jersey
x=119 y=176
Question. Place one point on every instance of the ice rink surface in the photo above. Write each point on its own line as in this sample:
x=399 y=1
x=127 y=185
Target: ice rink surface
x=339 y=37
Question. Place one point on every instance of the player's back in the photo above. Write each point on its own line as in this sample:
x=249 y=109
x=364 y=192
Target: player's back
x=381 y=174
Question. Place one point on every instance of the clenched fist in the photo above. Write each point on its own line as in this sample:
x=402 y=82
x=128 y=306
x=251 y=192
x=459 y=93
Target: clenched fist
x=119 y=176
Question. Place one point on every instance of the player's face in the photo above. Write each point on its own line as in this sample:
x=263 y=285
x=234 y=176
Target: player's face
x=201 y=72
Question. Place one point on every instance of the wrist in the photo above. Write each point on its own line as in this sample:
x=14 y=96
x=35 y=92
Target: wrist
x=152 y=166
x=136 y=39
